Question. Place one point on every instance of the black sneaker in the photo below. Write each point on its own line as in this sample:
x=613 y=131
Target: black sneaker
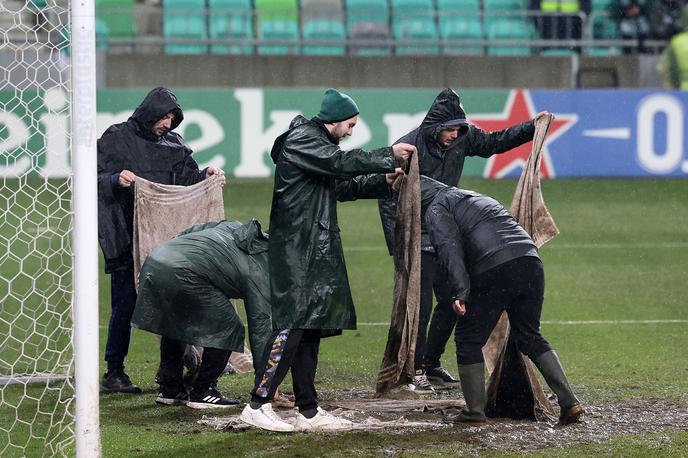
x=441 y=376
x=118 y=382
x=171 y=396
x=209 y=399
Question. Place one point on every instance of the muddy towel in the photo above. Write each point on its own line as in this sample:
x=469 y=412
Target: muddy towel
x=397 y=362
x=513 y=390
x=163 y=211
x=528 y=206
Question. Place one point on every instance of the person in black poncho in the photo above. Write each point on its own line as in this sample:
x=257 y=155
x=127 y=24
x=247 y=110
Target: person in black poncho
x=142 y=146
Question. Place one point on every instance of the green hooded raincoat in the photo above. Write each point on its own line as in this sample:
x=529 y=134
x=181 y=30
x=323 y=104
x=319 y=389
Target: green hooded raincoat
x=186 y=284
x=309 y=282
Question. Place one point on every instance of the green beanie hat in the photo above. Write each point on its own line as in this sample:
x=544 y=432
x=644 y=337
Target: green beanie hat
x=336 y=107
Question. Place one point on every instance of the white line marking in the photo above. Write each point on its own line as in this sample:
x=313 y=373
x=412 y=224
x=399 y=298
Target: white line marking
x=563 y=246
x=621 y=133
x=581 y=322
x=574 y=322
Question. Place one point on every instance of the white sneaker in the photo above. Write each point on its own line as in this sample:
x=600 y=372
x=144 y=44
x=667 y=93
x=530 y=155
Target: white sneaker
x=420 y=383
x=322 y=421
x=265 y=418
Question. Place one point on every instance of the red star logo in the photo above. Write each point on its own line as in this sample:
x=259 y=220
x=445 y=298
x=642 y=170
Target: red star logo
x=519 y=108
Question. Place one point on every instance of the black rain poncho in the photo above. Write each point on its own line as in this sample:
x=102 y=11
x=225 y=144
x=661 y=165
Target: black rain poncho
x=186 y=284
x=131 y=145
x=309 y=282
x=445 y=164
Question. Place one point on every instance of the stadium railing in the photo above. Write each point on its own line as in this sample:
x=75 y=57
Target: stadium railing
x=470 y=34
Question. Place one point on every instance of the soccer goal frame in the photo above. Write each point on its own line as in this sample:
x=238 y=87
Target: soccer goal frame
x=85 y=234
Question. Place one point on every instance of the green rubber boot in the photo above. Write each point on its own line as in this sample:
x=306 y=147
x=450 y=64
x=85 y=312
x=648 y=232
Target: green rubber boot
x=549 y=366
x=472 y=378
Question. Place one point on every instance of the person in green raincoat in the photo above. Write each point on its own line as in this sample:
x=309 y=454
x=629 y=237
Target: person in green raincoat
x=309 y=284
x=185 y=287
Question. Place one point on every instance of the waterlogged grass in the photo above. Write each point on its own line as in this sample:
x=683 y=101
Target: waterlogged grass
x=620 y=262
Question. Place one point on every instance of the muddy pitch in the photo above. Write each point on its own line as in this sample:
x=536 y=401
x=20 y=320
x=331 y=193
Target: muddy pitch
x=412 y=415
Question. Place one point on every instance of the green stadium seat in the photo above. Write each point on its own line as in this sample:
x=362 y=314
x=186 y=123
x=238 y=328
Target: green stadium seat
x=414 y=20
x=324 y=29
x=495 y=10
x=277 y=10
x=284 y=35
x=366 y=11
x=455 y=29
x=423 y=33
x=184 y=19
x=558 y=52
x=118 y=16
x=509 y=29
x=231 y=20
x=604 y=27
x=447 y=7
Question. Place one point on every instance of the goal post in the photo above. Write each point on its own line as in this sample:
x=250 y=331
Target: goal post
x=49 y=402
x=85 y=205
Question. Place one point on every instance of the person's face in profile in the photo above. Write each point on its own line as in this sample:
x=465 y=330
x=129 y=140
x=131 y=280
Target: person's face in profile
x=344 y=128
x=163 y=125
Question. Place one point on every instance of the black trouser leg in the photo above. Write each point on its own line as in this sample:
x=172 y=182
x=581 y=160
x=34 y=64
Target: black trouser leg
x=171 y=363
x=516 y=286
x=427 y=264
x=122 y=300
x=213 y=362
x=303 y=369
x=527 y=279
x=443 y=320
x=275 y=363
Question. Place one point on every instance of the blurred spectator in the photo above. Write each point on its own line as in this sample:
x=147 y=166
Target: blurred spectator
x=665 y=18
x=560 y=19
x=632 y=17
x=673 y=63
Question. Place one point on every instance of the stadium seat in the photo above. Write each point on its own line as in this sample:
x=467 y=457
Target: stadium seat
x=558 y=52
x=230 y=20
x=604 y=27
x=118 y=16
x=369 y=11
x=324 y=29
x=495 y=10
x=374 y=37
x=321 y=9
x=277 y=10
x=184 y=19
x=509 y=29
x=461 y=6
x=414 y=20
x=455 y=29
x=284 y=35
x=420 y=35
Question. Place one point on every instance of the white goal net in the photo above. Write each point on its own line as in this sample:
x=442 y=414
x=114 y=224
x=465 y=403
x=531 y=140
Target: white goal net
x=36 y=219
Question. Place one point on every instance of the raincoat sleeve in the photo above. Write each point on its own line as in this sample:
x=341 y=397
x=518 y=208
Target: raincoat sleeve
x=317 y=155
x=485 y=144
x=447 y=242
x=113 y=236
x=371 y=186
x=258 y=315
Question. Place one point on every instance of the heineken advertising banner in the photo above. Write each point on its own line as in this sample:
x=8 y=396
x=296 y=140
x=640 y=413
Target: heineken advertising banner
x=597 y=133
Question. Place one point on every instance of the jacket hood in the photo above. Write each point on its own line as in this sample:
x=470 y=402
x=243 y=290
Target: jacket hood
x=154 y=107
x=279 y=141
x=429 y=190
x=250 y=238
x=445 y=111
